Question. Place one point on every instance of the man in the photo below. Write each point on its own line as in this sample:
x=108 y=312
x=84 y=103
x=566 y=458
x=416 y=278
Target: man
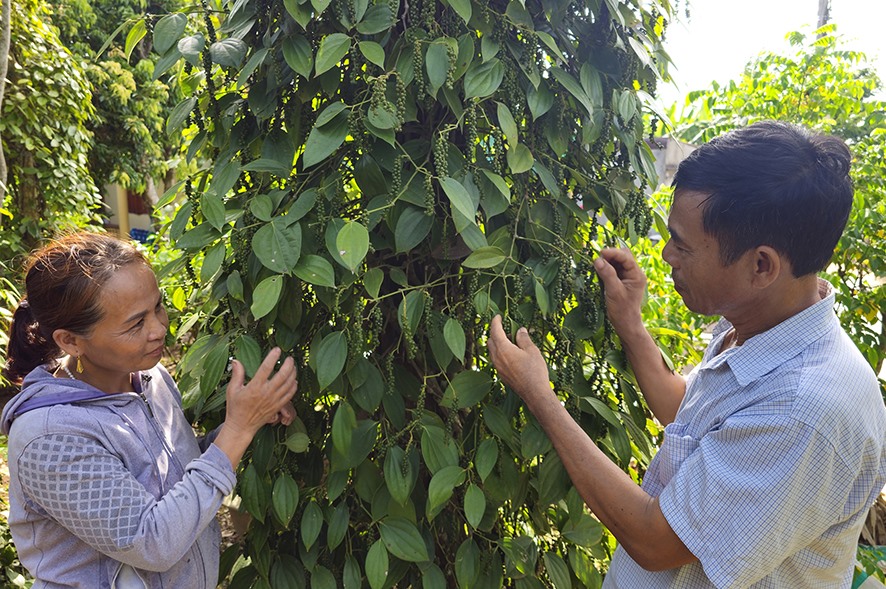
x=773 y=448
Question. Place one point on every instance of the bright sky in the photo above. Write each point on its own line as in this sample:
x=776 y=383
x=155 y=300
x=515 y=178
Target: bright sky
x=721 y=36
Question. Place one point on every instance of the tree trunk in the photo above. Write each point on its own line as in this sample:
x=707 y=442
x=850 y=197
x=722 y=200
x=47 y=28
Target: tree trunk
x=824 y=12
x=5 y=35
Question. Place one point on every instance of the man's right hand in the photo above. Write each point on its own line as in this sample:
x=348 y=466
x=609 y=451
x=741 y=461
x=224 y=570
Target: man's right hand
x=624 y=286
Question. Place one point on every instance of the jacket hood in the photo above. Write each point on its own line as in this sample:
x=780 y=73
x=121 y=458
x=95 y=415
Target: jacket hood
x=41 y=389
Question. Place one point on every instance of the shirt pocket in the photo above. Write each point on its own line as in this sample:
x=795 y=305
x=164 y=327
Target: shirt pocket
x=676 y=447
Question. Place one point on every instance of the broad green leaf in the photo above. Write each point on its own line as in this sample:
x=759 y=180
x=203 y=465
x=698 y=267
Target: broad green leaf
x=191 y=47
x=338 y=526
x=168 y=30
x=248 y=352
x=467 y=563
x=352 y=244
x=311 y=523
x=372 y=280
x=213 y=209
x=284 y=498
x=486 y=457
x=254 y=494
x=433 y=578
x=297 y=54
x=551 y=44
x=574 y=88
x=352 y=578
x=262 y=208
x=483 y=79
x=410 y=310
x=462 y=8
x=413 y=227
x=540 y=100
x=603 y=410
x=300 y=12
x=322 y=578
x=442 y=485
x=325 y=139
x=266 y=295
x=286 y=573
x=558 y=571
x=383 y=115
x=320 y=5
x=437 y=65
x=179 y=114
x=377 y=565
x=459 y=197
x=332 y=49
x=331 y=356
x=468 y=388
x=212 y=262
x=519 y=158
x=373 y=52
x=403 y=540
x=256 y=60
x=228 y=52
x=315 y=270
x=586 y=531
x=198 y=237
x=541 y=297
x=298 y=442
x=485 y=257
x=400 y=477
x=547 y=179
x=507 y=123
x=344 y=423
x=376 y=20
x=136 y=34
x=438 y=449
x=278 y=245
x=454 y=334
x=475 y=505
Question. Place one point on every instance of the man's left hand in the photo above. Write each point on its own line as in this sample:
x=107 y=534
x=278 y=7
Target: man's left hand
x=520 y=366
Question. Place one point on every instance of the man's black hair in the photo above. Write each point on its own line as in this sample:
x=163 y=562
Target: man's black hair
x=774 y=184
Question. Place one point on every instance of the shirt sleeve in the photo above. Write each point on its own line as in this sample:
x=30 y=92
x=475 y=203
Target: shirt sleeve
x=752 y=493
x=88 y=490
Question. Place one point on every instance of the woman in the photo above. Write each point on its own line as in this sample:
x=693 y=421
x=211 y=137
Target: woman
x=109 y=487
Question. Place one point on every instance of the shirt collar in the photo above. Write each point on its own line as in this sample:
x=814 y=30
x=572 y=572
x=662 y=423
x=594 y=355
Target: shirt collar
x=772 y=348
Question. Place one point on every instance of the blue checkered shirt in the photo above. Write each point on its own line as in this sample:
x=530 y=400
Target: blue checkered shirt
x=772 y=463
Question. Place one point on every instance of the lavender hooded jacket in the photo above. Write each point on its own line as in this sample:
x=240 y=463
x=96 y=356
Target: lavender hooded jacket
x=112 y=490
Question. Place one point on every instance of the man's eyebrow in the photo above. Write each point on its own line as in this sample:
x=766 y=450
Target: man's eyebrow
x=675 y=235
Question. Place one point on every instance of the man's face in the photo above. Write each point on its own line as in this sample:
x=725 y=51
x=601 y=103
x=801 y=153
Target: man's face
x=705 y=284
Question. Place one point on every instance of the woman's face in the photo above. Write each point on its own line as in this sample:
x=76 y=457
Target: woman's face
x=130 y=335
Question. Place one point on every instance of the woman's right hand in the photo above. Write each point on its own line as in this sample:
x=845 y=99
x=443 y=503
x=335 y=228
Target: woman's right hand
x=251 y=405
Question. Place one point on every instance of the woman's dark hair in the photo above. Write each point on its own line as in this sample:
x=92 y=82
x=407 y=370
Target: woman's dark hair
x=772 y=184
x=63 y=284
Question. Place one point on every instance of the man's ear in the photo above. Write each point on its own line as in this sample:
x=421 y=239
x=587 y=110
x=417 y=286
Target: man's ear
x=769 y=264
x=67 y=341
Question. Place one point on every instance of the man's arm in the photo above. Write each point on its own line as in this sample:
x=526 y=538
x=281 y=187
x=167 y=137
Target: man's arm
x=630 y=513
x=625 y=287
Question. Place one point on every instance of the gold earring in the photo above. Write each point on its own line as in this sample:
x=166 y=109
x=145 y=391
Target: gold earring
x=79 y=365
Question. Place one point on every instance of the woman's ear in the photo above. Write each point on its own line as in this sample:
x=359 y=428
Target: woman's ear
x=67 y=341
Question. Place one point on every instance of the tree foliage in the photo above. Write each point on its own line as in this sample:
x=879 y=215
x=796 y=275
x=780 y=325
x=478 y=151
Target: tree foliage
x=377 y=179
x=45 y=135
x=833 y=90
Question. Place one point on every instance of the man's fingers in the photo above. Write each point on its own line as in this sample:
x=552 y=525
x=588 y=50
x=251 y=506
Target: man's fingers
x=524 y=342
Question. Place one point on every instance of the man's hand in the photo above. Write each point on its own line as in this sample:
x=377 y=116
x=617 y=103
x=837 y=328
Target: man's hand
x=624 y=285
x=520 y=366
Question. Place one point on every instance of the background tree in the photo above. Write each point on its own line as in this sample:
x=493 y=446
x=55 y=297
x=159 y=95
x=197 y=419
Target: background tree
x=43 y=128
x=377 y=179
x=833 y=90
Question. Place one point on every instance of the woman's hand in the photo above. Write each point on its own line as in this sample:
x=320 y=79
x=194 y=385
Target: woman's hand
x=264 y=399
